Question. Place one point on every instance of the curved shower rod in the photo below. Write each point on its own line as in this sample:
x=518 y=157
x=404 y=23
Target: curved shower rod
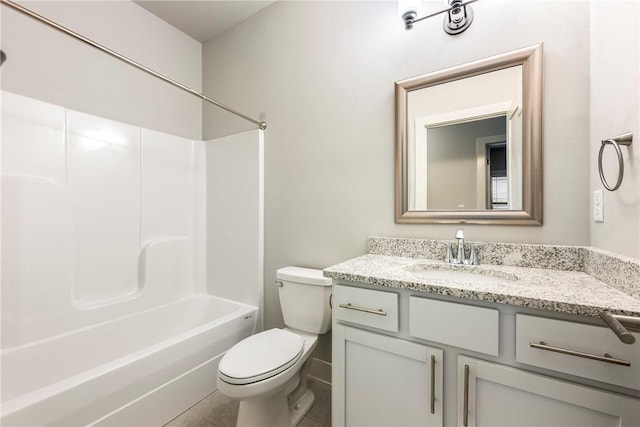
x=261 y=124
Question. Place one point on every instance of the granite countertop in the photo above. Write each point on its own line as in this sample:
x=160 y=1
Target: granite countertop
x=564 y=291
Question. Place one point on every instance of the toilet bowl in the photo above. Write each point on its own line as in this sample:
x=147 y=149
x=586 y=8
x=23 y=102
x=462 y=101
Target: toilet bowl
x=263 y=387
x=267 y=371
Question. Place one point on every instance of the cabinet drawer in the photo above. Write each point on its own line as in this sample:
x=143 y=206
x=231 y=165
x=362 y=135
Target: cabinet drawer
x=571 y=348
x=465 y=326
x=377 y=309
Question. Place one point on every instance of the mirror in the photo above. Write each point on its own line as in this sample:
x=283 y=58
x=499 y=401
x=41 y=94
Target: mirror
x=469 y=142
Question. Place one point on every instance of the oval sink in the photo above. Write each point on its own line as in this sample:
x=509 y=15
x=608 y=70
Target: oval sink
x=461 y=274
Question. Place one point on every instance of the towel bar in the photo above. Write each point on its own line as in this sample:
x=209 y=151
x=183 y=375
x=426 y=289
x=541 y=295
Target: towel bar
x=616 y=141
x=617 y=324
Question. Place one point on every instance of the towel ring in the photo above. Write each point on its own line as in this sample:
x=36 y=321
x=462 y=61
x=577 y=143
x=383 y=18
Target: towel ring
x=616 y=141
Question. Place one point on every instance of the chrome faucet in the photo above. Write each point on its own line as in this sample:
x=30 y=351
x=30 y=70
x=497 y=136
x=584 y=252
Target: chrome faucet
x=460 y=259
x=460 y=256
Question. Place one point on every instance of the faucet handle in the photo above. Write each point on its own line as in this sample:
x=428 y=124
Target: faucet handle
x=449 y=256
x=459 y=233
x=473 y=259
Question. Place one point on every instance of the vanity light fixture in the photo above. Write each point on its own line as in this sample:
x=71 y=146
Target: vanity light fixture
x=459 y=15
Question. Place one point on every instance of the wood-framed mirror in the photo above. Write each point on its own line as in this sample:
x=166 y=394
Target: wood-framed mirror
x=469 y=142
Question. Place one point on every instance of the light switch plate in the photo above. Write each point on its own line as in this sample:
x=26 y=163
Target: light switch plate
x=598 y=206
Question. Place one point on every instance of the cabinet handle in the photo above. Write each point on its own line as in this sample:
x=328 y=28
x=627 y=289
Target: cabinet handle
x=606 y=358
x=465 y=405
x=379 y=312
x=433 y=384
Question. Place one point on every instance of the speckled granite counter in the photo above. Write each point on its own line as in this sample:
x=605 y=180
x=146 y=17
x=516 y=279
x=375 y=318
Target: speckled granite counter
x=568 y=290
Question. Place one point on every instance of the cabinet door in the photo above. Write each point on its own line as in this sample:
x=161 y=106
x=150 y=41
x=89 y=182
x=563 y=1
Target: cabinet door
x=497 y=395
x=384 y=381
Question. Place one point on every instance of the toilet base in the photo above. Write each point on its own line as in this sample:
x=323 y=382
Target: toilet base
x=300 y=407
x=274 y=411
x=267 y=411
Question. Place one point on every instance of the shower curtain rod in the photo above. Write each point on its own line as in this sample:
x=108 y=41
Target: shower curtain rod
x=261 y=124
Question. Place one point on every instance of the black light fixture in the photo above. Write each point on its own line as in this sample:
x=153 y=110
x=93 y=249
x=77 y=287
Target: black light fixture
x=459 y=15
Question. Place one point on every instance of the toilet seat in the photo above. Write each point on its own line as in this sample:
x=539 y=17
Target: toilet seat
x=261 y=356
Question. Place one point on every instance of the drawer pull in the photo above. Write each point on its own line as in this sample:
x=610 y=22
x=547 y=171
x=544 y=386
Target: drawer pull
x=379 y=312
x=433 y=384
x=606 y=358
x=465 y=404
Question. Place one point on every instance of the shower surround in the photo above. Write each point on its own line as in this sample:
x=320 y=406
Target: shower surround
x=104 y=290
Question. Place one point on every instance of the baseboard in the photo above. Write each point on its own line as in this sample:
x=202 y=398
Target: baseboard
x=320 y=371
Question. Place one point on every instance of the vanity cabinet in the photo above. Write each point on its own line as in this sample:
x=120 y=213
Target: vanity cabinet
x=490 y=394
x=586 y=351
x=384 y=381
x=366 y=307
x=395 y=353
x=380 y=380
x=468 y=327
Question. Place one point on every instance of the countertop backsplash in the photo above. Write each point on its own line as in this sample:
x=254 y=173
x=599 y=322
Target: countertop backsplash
x=623 y=273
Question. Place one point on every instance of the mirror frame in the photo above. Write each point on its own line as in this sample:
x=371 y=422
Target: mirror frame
x=532 y=88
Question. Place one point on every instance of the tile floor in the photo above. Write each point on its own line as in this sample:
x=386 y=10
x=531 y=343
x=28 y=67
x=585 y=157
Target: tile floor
x=217 y=410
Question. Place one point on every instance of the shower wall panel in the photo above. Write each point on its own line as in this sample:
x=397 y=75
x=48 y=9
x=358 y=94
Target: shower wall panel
x=235 y=217
x=35 y=216
x=97 y=217
x=167 y=209
x=103 y=167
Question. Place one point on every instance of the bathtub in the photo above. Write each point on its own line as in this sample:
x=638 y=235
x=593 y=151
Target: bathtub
x=137 y=370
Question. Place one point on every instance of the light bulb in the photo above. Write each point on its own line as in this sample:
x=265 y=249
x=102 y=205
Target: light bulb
x=409 y=6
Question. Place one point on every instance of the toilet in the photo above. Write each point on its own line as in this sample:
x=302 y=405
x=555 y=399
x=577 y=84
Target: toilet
x=267 y=371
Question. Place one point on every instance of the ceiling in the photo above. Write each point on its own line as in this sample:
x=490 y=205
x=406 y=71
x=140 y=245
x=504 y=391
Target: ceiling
x=204 y=19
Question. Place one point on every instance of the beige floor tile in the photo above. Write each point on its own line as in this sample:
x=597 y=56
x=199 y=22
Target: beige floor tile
x=321 y=409
x=308 y=422
x=189 y=419
x=218 y=409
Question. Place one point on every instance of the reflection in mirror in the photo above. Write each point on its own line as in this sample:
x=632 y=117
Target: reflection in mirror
x=454 y=138
x=469 y=142
x=477 y=153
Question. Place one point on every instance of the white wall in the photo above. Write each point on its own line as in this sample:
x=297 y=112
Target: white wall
x=48 y=65
x=322 y=75
x=615 y=109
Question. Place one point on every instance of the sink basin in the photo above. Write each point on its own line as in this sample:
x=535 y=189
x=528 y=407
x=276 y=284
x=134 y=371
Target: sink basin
x=461 y=274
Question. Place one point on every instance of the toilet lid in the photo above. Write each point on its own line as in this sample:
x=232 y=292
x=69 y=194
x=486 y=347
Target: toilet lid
x=260 y=356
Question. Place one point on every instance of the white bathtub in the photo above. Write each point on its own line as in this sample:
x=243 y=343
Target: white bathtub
x=137 y=370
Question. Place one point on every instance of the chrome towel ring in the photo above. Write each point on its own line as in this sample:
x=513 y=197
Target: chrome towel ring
x=616 y=141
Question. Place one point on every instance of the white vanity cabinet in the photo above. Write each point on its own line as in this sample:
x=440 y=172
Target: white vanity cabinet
x=497 y=365
x=379 y=380
x=490 y=395
x=460 y=325
x=586 y=351
x=385 y=381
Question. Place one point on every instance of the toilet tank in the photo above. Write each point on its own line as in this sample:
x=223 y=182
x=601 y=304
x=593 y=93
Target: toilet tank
x=305 y=299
